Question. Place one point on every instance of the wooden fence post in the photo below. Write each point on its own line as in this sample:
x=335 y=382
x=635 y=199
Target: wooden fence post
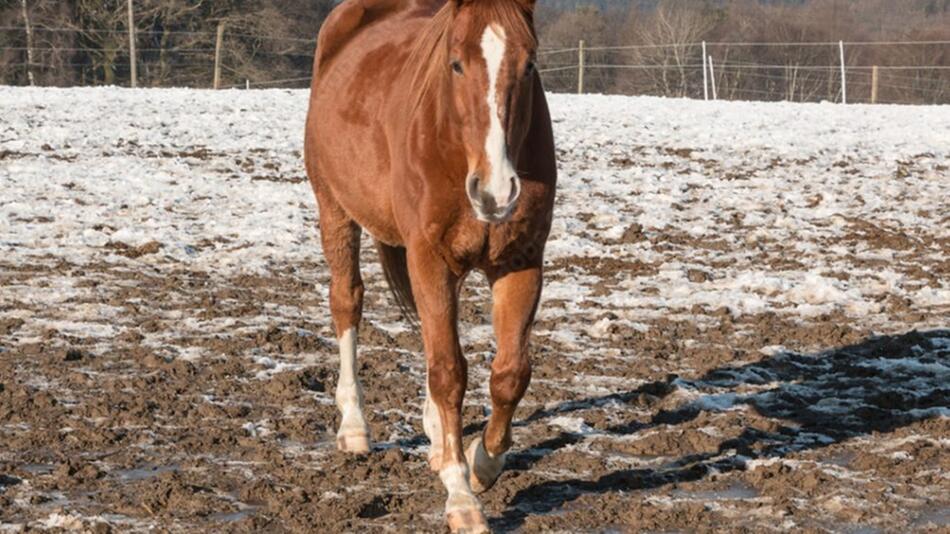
x=29 y=44
x=844 y=75
x=705 y=75
x=875 y=79
x=217 y=55
x=580 y=67
x=712 y=79
x=132 y=55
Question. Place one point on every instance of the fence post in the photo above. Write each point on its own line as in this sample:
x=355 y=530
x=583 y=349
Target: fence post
x=875 y=79
x=580 y=67
x=29 y=44
x=132 y=55
x=217 y=55
x=712 y=79
x=844 y=75
x=705 y=75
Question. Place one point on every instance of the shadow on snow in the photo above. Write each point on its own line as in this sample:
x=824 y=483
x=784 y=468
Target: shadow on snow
x=878 y=385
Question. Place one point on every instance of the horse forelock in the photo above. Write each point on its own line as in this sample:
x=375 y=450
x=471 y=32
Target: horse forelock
x=429 y=57
x=511 y=15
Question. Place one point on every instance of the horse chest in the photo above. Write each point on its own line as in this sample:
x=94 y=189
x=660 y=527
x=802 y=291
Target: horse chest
x=474 y=245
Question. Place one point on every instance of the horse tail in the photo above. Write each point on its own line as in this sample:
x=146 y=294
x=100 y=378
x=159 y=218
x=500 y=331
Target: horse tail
x=396 y=269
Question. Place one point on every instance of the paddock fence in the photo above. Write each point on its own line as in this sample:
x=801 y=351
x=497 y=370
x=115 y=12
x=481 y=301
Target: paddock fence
x=899 y=72
x=838 y=71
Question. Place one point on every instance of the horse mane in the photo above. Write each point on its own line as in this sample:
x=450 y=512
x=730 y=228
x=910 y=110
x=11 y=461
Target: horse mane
x=429 y=57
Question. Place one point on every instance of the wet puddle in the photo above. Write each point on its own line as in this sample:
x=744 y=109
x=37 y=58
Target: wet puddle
x=841 y=459
x=859 y=529
x=244 y=510
x=732 y=493
x=38 y=469
x=142 y=473
x=232 y=517
x=939 y=517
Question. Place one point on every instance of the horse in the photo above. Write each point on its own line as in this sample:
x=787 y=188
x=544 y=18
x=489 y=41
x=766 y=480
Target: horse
x=428 y=128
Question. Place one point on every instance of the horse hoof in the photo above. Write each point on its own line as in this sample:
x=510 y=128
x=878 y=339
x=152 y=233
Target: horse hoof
x=353 y=443
x=467 y=521
x=483 y=469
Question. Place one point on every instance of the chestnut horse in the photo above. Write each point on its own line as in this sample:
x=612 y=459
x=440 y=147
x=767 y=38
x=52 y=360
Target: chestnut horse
x=428 y=127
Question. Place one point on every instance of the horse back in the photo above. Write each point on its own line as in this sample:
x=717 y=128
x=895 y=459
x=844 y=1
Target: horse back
x=347 y=20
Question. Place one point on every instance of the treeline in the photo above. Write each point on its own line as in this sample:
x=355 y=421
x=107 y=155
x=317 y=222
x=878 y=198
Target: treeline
x=86 y=42
x=633 y=46
x=655 y=48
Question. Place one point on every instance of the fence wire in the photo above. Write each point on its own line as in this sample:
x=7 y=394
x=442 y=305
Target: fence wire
x=799 y=71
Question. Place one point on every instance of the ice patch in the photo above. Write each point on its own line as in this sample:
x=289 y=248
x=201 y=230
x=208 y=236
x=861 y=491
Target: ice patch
x=67 y=521
x=716 y=403
x=575 y=425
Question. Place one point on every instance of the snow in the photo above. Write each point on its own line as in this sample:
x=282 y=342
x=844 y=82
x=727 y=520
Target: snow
x=217 y=179
x=575 y=425
x=62 y=521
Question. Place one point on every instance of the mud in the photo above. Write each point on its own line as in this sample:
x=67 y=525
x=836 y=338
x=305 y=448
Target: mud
x=150 y=384
x=134 y=430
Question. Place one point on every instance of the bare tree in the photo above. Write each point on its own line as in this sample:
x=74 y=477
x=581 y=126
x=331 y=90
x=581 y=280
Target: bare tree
x=29 y=42
x=681 y=25
x=586 y=23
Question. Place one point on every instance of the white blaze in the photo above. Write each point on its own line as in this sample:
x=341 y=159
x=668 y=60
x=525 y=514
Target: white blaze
x=499 y=181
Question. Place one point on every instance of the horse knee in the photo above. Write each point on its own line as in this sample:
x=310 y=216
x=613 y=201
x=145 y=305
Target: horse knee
x=447 y=380
x=509 y=380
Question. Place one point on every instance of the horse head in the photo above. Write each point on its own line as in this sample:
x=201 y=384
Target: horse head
x=491 y=58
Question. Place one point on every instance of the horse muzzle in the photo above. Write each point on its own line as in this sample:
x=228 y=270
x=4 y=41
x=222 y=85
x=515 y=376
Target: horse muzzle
x=493 y=203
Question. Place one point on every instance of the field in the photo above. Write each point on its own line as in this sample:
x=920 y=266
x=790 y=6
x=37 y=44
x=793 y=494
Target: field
x=746 y=325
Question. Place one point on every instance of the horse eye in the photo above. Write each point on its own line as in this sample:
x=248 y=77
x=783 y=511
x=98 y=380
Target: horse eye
x=530 y=68
x=457 y=67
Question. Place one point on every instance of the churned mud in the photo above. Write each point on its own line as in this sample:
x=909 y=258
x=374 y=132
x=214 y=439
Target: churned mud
x=167 y=360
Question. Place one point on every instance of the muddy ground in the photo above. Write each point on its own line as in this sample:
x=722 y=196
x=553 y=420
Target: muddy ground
x=142 y=391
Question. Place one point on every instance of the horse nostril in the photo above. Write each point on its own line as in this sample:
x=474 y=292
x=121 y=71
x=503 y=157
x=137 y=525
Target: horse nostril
x=515 y=190
x=471 y=186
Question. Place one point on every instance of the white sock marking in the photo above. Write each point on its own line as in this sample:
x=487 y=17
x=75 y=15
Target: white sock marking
x=349 y=396
x=455 y=479
x=432 y=423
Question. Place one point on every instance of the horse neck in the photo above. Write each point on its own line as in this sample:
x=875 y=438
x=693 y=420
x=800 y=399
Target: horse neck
x=434 y=134
x=436 y=141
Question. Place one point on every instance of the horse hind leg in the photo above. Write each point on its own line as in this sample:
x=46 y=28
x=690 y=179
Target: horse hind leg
x=432 y=425
x=396 y=269
x=341 y=248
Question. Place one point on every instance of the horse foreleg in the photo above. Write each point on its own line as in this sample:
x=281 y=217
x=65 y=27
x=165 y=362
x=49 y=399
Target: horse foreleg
x=434 y=289
x=515 y=298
